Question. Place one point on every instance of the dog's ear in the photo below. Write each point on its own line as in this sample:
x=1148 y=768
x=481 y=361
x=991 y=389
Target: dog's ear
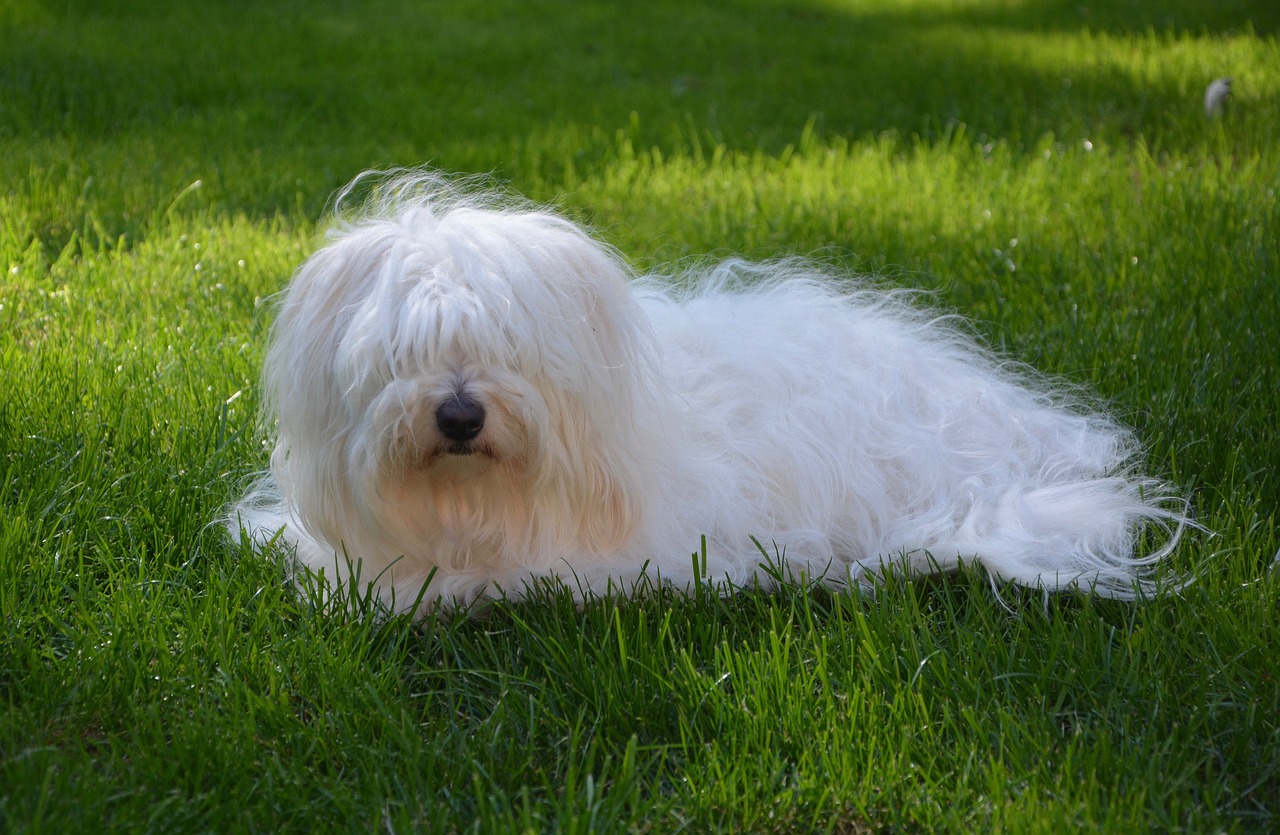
x=590 y=479
x=611 y=509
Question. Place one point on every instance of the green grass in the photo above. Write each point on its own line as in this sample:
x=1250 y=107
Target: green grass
x=1044 y=167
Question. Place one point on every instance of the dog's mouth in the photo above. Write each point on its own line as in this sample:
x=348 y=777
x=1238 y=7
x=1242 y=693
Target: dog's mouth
x=456 y=451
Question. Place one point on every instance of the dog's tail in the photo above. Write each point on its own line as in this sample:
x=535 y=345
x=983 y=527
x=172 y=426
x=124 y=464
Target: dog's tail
x=1103 y=535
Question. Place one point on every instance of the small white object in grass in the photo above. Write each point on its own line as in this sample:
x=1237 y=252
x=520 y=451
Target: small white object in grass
x=1216 y=96
x=1088 y=146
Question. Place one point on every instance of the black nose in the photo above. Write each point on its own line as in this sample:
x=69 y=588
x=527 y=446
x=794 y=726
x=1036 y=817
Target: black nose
x=460 y=418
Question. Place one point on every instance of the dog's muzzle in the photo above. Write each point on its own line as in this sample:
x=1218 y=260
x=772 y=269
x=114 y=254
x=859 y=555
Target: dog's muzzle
x=460 y=420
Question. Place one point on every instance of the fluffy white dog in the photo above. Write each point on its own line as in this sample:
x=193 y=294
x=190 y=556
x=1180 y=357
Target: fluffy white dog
x=482 y=395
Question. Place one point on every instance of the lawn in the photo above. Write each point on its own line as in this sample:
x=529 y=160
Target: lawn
x=1043 y=168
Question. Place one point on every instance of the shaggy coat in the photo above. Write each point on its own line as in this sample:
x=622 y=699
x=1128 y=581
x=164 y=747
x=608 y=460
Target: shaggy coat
x=484 y=395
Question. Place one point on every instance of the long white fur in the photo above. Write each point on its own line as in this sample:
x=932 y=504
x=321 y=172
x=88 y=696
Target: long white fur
x=626 y=418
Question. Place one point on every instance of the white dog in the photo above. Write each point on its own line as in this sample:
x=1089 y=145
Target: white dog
x=481 y=396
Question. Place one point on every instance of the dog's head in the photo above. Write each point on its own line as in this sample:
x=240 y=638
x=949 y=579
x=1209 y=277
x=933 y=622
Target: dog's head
x=445 y=372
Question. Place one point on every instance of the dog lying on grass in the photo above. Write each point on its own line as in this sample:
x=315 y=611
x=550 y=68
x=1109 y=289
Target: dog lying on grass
x=473 y=392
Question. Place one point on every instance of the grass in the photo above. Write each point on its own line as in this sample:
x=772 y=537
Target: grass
x=1044 y=167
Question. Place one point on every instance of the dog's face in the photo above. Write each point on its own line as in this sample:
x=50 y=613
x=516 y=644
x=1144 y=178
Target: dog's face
x=466 y=379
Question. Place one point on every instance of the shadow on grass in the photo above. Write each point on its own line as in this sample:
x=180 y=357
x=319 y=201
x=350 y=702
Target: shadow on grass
x=271 y=101
x=279 y=74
